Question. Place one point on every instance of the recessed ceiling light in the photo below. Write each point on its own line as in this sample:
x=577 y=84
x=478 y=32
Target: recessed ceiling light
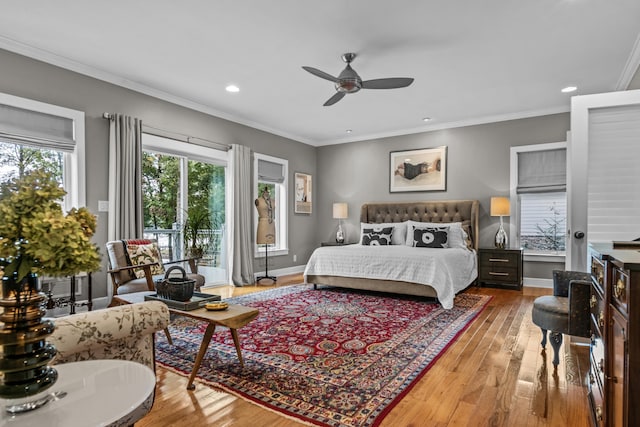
x=232 y=88
x=569 y=89
x=426 y=119
x=349 y=131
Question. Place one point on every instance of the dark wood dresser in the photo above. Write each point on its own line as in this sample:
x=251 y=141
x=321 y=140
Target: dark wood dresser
x=614 y=375
x=500 y=267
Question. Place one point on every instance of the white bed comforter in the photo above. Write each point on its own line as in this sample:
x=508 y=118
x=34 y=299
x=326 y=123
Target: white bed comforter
x=448 y=271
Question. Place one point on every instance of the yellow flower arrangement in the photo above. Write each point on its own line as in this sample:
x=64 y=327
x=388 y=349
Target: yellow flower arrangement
x=37 y=237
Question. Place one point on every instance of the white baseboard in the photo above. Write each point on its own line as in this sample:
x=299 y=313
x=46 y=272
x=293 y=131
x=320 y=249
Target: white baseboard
x=296 y=269
x=528 y=281
x=532 y=282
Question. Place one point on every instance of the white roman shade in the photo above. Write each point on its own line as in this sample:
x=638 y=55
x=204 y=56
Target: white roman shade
x=270 y=171
x=542 y=171
x=36 y=129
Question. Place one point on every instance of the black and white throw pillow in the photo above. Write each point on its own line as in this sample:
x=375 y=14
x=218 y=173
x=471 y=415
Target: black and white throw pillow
x=430 y=237
x=377 y=236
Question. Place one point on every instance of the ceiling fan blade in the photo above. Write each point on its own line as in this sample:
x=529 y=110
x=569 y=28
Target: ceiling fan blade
x=320 y=74
x=390 y=83
x=335 y=98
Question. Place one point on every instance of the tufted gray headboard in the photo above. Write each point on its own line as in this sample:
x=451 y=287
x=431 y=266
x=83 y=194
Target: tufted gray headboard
x=464 y=211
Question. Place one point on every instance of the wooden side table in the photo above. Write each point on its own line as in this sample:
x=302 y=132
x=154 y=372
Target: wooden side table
x=500 y=267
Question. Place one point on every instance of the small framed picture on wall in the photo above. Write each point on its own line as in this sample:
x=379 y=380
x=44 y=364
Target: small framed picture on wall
x=418 y=170
x=303 y=193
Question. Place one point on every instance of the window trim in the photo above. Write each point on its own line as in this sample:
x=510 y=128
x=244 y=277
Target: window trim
x=282 y=238
x=73 y=173
x=514 y=223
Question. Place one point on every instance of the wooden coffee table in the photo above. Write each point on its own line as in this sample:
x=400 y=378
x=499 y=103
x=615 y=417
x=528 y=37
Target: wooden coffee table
x=234 y=317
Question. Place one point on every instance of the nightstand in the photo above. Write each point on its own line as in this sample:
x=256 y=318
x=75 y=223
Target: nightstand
x=500 y=267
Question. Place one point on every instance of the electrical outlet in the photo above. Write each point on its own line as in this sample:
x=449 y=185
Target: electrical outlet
x=103 y=206
x=295 y=258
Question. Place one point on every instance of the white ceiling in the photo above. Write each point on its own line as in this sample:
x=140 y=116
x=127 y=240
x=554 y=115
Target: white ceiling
x=473 y=61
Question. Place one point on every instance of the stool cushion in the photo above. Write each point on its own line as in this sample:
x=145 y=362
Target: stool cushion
x=551 y=313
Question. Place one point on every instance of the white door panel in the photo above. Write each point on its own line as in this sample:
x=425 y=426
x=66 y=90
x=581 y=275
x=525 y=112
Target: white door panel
x=581 y=156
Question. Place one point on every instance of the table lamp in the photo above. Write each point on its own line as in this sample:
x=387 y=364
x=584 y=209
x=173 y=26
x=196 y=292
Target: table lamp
x=340 y=212
x=500 y=207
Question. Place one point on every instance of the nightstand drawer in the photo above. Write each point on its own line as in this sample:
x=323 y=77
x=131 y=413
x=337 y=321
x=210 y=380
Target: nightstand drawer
x=499 y=274
x=499 y=259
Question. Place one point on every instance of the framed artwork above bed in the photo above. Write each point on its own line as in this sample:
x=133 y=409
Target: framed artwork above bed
x=418 y=170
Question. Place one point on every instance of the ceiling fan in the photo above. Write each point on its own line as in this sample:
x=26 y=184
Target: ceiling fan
x=350 y=82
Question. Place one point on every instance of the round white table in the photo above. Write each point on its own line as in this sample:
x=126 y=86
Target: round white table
x=99 y=393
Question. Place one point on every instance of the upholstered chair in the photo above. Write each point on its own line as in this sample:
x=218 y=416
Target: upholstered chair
x=136 y=264
x=124 y=332
x=566 y=311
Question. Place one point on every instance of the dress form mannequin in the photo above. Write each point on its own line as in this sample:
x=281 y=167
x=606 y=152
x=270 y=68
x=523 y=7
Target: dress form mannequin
x=266 y=234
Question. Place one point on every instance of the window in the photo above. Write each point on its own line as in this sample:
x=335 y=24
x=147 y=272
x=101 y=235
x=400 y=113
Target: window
x=543 y=222
x=538 y=192
x=35 y=135
x=272 y=172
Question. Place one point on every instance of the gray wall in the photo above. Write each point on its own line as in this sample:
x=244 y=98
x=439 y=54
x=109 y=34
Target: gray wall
x=478 y=156
x=478 y=168
x=28 y=78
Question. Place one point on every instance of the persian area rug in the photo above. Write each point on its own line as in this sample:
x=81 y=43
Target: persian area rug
x=326 y=357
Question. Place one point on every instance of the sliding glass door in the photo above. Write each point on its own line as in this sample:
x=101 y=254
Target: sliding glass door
x=184 y=203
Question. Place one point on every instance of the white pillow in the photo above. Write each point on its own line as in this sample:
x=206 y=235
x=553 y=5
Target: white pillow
x=457 y=237
x=399 y=235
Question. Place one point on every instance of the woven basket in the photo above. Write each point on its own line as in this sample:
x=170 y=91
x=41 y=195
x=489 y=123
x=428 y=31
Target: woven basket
x=175 y=288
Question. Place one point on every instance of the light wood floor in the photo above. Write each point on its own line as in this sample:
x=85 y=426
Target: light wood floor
x=493 y=375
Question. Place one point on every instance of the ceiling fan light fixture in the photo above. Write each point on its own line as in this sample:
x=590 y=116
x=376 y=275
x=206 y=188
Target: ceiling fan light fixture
x=348 y=85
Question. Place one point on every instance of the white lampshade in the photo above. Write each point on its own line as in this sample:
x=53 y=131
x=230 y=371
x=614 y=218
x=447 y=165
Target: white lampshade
x=500 y=206
x=340 y=211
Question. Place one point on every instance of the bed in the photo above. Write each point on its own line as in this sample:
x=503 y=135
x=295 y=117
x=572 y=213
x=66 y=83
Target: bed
x=381 y=268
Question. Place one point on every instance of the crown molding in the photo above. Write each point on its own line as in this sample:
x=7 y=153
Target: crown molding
x=451 y=125
x=631 y=67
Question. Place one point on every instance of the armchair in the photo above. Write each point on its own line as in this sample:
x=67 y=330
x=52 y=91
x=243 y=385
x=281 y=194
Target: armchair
x=136 y=263
x=566 y=311
x=123 y=332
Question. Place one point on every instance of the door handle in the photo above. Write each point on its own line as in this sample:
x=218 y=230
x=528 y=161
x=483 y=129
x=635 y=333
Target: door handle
x=578 y=234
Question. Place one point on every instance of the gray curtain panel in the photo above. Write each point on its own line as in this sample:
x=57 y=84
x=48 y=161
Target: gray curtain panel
x=242 y=227
x=125 y=178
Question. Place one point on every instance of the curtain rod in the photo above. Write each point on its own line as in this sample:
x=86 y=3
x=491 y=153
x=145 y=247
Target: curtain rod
x=170 y=134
